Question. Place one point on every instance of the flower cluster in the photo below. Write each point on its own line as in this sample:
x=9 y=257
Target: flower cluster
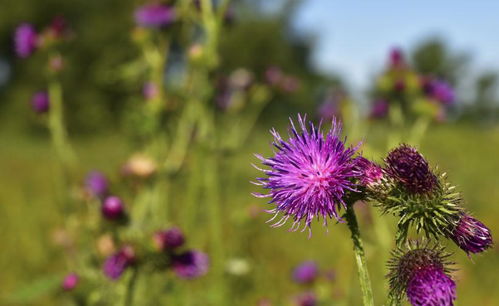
x=313 y=176
x=414 y=93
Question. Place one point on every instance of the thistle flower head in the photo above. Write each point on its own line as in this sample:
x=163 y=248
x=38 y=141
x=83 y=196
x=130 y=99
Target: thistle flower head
x=25 y=39
x=306 y=272
x=169 y=239
x=40 y=102
x=112 y=208
x=70 y=281
x=154 y=15
x=116 y=264
x=190 y=264
x=97 y=184
x=310 y=174
x=422 y=273
x=371 y=173
x=407 y=166
x=471 y=235
x=306 y=299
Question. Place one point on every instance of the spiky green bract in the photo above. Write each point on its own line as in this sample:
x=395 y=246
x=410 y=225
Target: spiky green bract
x=409 y=261
x=433 y=213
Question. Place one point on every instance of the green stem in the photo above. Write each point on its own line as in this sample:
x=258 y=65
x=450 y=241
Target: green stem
x=132 y=282
x=365 y=283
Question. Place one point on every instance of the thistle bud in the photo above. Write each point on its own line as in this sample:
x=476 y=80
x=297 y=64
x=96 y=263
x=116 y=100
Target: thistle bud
x=471 y=235
x=112 y=208
x=169 y=239
x=70 y=281
x=423 y=274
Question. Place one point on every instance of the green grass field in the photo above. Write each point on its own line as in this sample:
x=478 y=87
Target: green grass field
x=29 y=215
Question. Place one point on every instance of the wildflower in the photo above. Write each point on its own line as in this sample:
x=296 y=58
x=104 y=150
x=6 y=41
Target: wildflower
x=154 y=16
x=115 y=265
x=112 y=208
x=169 y=239
x=410 y=168
x=70 y=281
x=371 y=173
x=471 y=235
x=423 y=274
x=150 y=91
x=380 y=109
x=310 y=174
x=396 y=58
x=306 y=272
x=25 y=39
x=97 y=184
x=190 y=264
x=306 y=299
x=40 y=102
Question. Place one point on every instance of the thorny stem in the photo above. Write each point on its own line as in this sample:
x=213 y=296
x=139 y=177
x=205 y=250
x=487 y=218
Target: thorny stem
x=365 y=282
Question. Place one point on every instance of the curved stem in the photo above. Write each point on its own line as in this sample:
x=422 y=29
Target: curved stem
x=365 y=282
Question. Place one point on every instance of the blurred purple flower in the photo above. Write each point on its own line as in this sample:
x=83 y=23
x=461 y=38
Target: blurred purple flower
x=190 y=264
x=380 y=109
x=306 y=272
x=115 y=265
x=25 y=39
x=150 y=91
x=290 y=84
x=70 y=281
x=154 y=15
x=370 y=172
x=58 y=26
x=471 y=235
x=306 y=299
x=273 y=75
x=396 y=58
x=97 y=184
x=443 y=92
x=169 y=239
x=328 y=110
x=112 y=208
x=309 y=175
x=40 y=102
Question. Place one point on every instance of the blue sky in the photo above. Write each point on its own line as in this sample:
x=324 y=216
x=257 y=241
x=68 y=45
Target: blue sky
x=353 y=37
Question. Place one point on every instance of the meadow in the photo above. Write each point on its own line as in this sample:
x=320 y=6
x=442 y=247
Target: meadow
x=29 y=216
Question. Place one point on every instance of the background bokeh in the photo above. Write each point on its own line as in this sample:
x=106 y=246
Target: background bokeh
x=330 y=53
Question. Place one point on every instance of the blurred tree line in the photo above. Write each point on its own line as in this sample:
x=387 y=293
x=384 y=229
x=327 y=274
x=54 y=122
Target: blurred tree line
x=255 y=38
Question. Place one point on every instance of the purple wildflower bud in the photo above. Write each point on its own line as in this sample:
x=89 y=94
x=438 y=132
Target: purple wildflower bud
x=422 y=274
x=443 y=92
x=309 y=174
x=154 y=16
x=471 y=235
x=70 y=281
x=40 y=102
x=169 y=239
x=306 y=299
x=406 y=165
x=115 y=265
x=25 y=39
x=190 y=264
x=306 y=272
x=371 y=173
x=396 y=58
x=97 y=184
x=380 y=109
x=112 y=208
x=273 y=75
x=150 y=91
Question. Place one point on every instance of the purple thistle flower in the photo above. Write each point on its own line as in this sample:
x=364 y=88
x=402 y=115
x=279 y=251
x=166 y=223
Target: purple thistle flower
x=371 y=173
x=443 y=92
x=422 y=274
x=115 y=265
x=190 y=264
x=431 y=286
x=25 y=39
x=70 y=281
x=154 y=15
x=97 y=184
x=306 y=299
x=471 y=235
x=406 y=165
x=40 y=102
x=397 y=58
x=380 y=109
x=112 y=208
x=169 y=239
x=306 y=272
x=309 y=175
